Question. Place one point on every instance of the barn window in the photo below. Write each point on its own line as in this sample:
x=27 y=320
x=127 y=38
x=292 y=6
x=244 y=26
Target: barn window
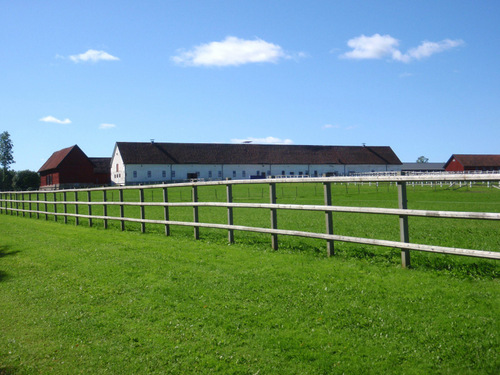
x=149 y=174
x=300 y=173
x=282 y=173
x=268 y=173
x=243 y=174
x=315 y=173
x=258 y=173
x=219 y=174
x=164 y=174
x=209 y=174
x=117 y=169
x=134 y=174
x=292 y=173
x=234 y=174
x=173 y=174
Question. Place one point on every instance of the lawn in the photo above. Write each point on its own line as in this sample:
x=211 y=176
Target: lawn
x=75 y=299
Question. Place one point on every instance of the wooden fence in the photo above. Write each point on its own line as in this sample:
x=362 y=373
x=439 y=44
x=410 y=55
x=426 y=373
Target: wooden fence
x=38 y=202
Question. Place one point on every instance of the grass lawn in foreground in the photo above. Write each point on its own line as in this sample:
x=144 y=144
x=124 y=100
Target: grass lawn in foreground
x=85 y=300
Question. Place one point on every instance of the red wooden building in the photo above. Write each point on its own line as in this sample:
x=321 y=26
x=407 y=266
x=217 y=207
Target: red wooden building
x=470 y=163
x=70 y=167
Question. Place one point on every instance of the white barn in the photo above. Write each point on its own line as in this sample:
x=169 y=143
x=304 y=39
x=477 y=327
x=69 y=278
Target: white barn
x=152 y=162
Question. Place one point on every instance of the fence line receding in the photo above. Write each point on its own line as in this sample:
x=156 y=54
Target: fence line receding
x=72 y=202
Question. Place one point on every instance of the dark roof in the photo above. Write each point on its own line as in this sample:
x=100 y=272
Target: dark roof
x=472 y=161
x=57 y=157
x=101 y=165
x=423 y=167
x=216 y=153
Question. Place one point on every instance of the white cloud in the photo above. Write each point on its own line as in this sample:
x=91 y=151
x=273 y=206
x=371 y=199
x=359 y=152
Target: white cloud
x=427 y=49
x=231 y=51
x=405 y=74
x=54 y=120
x=371 y=47
x=271 y=140
x=330 y=126
x=107 y=126
x=93 y=55
x=381 y=46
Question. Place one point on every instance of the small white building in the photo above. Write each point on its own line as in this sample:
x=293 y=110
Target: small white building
x=152 y=162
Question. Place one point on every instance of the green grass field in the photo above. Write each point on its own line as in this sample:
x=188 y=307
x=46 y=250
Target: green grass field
x=75 y=299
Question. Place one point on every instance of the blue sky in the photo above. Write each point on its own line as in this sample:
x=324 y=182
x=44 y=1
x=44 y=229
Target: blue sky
x=420 y=76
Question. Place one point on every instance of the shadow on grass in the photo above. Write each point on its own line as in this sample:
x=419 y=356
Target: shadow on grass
x=457 y=266
x=4 y=251
x=7 y=371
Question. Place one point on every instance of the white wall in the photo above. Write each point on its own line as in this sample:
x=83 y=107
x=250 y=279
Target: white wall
x=152 y=173
x=117 y=176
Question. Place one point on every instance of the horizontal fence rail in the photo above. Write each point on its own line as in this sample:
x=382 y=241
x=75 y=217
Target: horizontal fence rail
x=82 y=203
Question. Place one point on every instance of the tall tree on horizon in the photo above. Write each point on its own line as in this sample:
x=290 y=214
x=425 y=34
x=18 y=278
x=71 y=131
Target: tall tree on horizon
x=6 y=155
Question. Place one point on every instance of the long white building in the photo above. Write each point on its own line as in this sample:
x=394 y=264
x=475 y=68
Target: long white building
x=152 y=162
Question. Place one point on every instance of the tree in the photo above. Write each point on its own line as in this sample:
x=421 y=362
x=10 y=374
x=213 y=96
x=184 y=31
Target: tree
x=6 y=156
x=26 y=180
x=422 y=159
x=6 y=179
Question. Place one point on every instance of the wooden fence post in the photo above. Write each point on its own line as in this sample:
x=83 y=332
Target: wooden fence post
x=89 y=199
x=65 y=208
x=55 y=206
x=403 y=224
x=328 y=218
x=142 y=210
x=17 y=204
x=104 y=209
x=229 y=196
x=22 y=203
x=166 y=213
x=120 y=197
x=37 y=206
x=45 y=206
x=195 y=212
x=76 y=208
x=274 y=218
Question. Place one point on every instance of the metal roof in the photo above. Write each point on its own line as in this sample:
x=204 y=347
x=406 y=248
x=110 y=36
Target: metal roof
x=423 y=167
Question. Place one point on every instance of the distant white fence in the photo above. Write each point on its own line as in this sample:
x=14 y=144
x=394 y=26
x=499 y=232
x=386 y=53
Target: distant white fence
x=30 y=202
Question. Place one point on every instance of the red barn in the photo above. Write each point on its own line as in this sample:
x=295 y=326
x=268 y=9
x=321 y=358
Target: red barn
x=469 y=163
x=70 y=167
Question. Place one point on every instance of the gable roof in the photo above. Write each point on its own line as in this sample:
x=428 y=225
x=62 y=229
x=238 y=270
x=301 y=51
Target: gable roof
x=472 y=161
x=216 y=153
x=57 y=157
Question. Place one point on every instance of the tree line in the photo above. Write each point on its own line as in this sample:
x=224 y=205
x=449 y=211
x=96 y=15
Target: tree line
x=14 y=180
